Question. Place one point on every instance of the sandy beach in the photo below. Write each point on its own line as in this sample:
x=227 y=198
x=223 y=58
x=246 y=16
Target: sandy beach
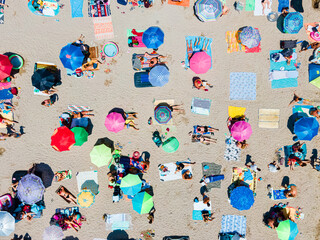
x=39 y=38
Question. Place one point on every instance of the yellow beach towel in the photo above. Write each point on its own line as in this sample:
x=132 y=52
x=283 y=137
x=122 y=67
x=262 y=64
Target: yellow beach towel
x=233 y=44
x=235 y=112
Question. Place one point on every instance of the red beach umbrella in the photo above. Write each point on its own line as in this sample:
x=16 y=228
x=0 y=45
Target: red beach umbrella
x=62 y=139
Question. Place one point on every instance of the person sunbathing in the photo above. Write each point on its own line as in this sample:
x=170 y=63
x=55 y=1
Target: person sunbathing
x=315 y=112
x=130 y=123
x=298 y=100
x=66 y=195
x=93 y=65
x=291 y=191
x=187 y=175
x=6 y=106
x=202 y=139
x=205 y=129
x=6 y=121
x=225 y=10
x=82 y=114
x=182 y=165
x=206 y=216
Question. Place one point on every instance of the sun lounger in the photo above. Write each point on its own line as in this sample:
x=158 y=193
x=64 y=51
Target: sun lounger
x=243 y=86
x=203 y=40
x=246 y=175
x=120 y=221
x=200 y=106
x=198 y=207
x=234 y=224
x=213 y=169
x=269 y=118
x=84 y=177
x=170 y=175
x=141 y=80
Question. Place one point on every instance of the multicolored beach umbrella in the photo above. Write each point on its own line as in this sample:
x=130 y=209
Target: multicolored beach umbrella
x=162 y=114
x=287 y=230
x=131 y=184
x=250 y=37
x=293 y=22
x=208 y=10
x=85 y=198
x=142 y=203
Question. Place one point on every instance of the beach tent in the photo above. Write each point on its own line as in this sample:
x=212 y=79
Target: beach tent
x=50 y=8
x=314 y=74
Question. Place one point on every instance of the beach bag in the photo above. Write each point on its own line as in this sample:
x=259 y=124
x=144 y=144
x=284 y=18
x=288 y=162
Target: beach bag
x=288 y=44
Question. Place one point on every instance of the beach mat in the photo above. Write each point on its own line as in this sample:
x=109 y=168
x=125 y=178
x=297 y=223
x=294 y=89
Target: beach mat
x=234 y=223
x=183 y=3
x=76 y=8
x=200 y=106
x=282 y=4
x=269 y=118
x=250 y=5
x=103 y=28
x=99 y=10
x=302 y=109
x=278 y=194
x=137 y=35
x=232 y=152
x=198 y=48
x=5 y=94
x=214 y=169
x=84 y=177
x=235 y=112
x=242 y=86
x=78 y=108
x=258 y=9
x=308 y=33
x=198 y=207
x=232 y=42
x=121 y=221
x=8 y=115
x=170 y=175
x=5 y=85
x=254 y=49
x=242 y=175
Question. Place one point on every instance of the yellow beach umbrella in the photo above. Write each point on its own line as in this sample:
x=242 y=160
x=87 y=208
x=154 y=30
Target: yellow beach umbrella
x=85 y=198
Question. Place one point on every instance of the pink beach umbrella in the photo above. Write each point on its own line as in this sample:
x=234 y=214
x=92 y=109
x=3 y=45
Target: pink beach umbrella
x=200 y=62
x=241 y=131
x=114 y=122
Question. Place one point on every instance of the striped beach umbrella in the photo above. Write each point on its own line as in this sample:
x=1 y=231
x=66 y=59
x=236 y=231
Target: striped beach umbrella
x=162 y=114
x=208 y=10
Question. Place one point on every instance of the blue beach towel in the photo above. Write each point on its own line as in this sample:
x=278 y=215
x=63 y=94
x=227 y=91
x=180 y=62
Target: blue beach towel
x=302 y=109
x=283 y=4
x=278 y=194
x=198 y=48
x=5 y=94
x=234 y=223
x=243 y=86
x=76 y=8
x=197 y=215
x=278 y=66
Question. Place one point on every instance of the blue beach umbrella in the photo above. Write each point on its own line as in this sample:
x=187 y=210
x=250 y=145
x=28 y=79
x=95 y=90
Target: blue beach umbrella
x=293 y=22
x=30 y=189
x=159 y=76
x=153 y=37
x=208 y=10
x=142 y=203
x=71 y=56
x=306 y=128
x=131 y=184
x=242 y=198
x=250 y=37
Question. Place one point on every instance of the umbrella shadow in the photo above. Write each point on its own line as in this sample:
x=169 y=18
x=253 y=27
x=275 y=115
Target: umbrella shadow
x=285 y=181
x=106 y=141
x=293 y=118
x=145 y=156
x=118 y=235
x=14 y=71
x=280 y=22
x=70 y=238
x=91 y=185
x=118 y=110
x=236 y=184
x=21 y=237
x=45 y=172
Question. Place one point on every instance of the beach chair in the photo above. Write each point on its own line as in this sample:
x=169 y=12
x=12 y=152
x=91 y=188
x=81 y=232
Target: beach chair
x=94 y=52
x=141 y=80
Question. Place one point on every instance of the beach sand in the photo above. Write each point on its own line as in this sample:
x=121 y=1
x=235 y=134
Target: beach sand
x=40 y=39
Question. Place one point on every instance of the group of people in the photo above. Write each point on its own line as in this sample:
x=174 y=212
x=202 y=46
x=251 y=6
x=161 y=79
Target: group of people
x=151 y=60
x=66 y=221
x=202 y=134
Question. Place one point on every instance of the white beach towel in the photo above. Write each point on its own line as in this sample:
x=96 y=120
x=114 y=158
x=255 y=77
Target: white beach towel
x=121 y=221
x=275 y=75
x=82 y=177
x=258 y=8
x=201 y=206
x=170 y=175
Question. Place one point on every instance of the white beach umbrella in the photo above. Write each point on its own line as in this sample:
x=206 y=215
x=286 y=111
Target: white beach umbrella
x=53 y=233
x=7 y=224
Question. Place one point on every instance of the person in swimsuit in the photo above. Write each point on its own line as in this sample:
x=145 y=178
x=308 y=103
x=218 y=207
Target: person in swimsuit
x=130 y=123
x=6 y=120
x=225 y=10
x=182 y=165
x=298 y=100
x=201 y=84
x=49 y=102
x=93 y=65
x=6 y=106
x=265 y=3
x=206 y=216
x=187 y=175
x=63 y=193
x=315 y=112
x=82 y=114
x=202 y=139
x=205 y=129
x=291 y=191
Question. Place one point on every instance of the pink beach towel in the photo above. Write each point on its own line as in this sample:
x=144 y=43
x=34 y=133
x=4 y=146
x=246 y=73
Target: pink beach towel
x=103 y=28
x=5 y=85
x=254 y=50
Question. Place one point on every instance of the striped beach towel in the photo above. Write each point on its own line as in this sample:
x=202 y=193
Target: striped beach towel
x=103 y=28
x=233 y=44
x=78 y=108
x=99 y=10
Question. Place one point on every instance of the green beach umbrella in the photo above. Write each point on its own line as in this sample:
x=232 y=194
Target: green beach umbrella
x=142 y=203
x=131 y=184
x=100 y=155
x=170 y=145
x=80 y=135
x=287 y=230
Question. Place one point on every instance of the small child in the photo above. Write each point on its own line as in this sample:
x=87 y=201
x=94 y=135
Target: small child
x=253 y=167
x=274 y=167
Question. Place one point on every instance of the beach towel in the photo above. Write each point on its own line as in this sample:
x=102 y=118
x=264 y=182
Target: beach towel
x=269 y=118
x=278 y=75
x=233 y=44
x=241 y=174
x=69 y=211
x=2 y=12
x=282 y=66
x=250 y=5
x=120 y=221
x=242 y=86
x=135 y=38
x=258 y=8
x=5 y=94
x=5 y=85
x=170 y=174
x=183 y=3
x=78 y=108
x=283 y=4
x=254 y=49
x=200 y=106
x=307 y=27
x=277 y=194
x=235 y=112
x=99 y=10
x=198 y=47
x=232 y=152
x=103 y=28
x=90 y=177
x=76 y=8
x=287 y=150
x=213 y=169
x=198 y=207
x=234 y=223
x=302 y=109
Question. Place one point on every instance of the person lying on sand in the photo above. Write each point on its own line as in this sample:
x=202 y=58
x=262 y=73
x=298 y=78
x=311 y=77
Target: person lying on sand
x=202 y=139
x=187 y=175
x=291 y=191
x=182 y=165
x=205 y=129
x=201 y=84
x=298 y=100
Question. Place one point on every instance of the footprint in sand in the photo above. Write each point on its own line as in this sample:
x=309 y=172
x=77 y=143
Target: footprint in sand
x=2 y=150
x=107 y=82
